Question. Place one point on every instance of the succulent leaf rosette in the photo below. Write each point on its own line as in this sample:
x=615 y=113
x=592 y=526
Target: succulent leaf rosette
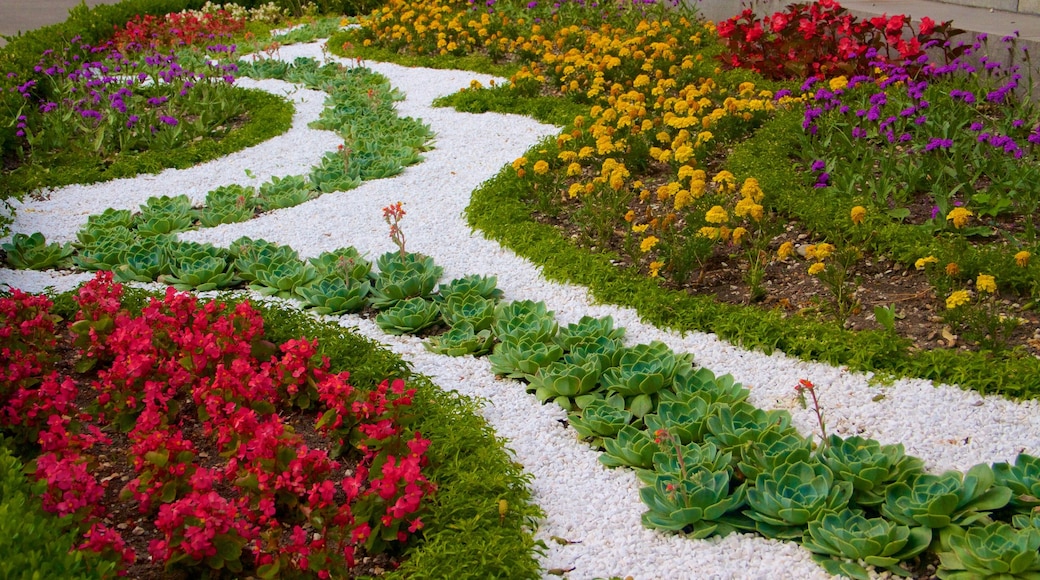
x=600 y=418
x=1023 y=478
x=703 y=384
x=521 y=357
x=869 y=466
x=107 y=251
x=633 y=447
x=343 y=262
x=994 y=551
x=165 y=215
x=524 y=318
x=32 y=252
x=783 y=502
x=937 y=501
x=409 y=316
x=568 y=385
x=474 y=284
x=473 y=309
x=145 y=260
x=460 y=340
x=735 y=427
x=282 y=279
x=774 y=450
x=600 y=351
x=696 y=503
x=586 y=329
x=403 y=278
x=334 y=295
x=843 y=541
x=683 y=419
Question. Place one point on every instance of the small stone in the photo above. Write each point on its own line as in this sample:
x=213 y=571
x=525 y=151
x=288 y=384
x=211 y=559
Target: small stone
x=138 y=531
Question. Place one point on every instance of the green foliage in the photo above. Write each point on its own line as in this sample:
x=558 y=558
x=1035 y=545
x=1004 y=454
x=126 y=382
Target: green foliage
x=937 y=501
x=773 y=451
x=472 y=309
x=461 y=339
x=409 y=316
x=145 y=259
x=694 y=502
x=643 y=371
x=841 y=541
x=601 y=418
x=569 y=385
x=343 y=262
x=784 y=501
x=1022 y=478
x=588 y=329
x=475 y=284
x=164 y=215
x=227 y=204
x=684 y=420
x=108 y=251
x=200 y=267
x=32 y=252
x=505 y=99
x=633 y=447
x=335 y=295
x=34 y=544
x=524 y=319
x=520 y=357
x=403 y=277
x=869 y=466
x=282 y=192
x=994 y=551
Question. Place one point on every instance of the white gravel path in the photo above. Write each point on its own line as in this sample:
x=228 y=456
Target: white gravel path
x=947 y=427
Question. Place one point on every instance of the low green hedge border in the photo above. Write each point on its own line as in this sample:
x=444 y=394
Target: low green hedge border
x=466 y=535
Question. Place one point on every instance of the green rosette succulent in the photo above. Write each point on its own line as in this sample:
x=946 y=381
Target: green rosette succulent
x=703 y=384
x=938 y=501
x=601 y=351
x=343 y=262
x=97 y=224
x=460 y=340
x=521 y=357
x=869 y=466
x=402 y=280
x=254 y=256
x=409 y=316
x=568 y=385
x=699 y=504
x=335 y=295
x=145 y=260
x=633 y=447
x=994 y=551
x=332 y=173
x=1022 y=478
x=601 y=418
x=784 y=501
x=108 y=251
x=642 y=372
x=735 y=427
x=474 y=284
x=774 y=450
x=685 y=420
x=165 y=215
x=586 y=329
x=470 y=308
x=283 y=278
x=524 y=318
x=32 y=252
x=283 y=192
x=201 y=270
x=214 y=215
x=843 y=541
x=232 y=195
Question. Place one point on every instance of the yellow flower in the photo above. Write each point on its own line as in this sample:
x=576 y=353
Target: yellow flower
x=648 y=243
x=785 y=251
x=1022 y=259
x=752 y=190
x=986 y=283
x=816 y=268
x=716 y=215
x=952 y=269
x=708 y=232
x=572 y=169
x=858 y=214
x=838 y=83
x=631 y=215
x=655 y=267
x=639 y=228
x=738 y=233
x=575 y=189
x=921 y=263
x=682 y=199
x=725 y=180
x=959 y=216
x=822 y=251
x=956 y=299
x=541 y=167
x=519 y=164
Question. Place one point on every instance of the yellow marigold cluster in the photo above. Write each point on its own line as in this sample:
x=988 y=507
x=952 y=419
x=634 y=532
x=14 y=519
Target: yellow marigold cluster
x=959 y=216
x=858 y=214
x=986 y=283
x=957 y=298
x=1022 y=258
x=922 y=263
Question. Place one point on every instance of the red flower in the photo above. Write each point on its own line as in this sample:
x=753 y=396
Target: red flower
x=927 y=26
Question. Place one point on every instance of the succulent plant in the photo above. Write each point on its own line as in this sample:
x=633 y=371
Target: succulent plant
x=840 y=541
x=683 y=419
x=869 y=466
x=251 y=256
x=643 y=371
x=764 y=456
x=602 y=351
x=586 y=329
x=200 y=267
x=518 y=358
x=97 y=224
x=228 y=204
x=213 y=215
x=568 y=385
x=232 y=194
x=409 y=316
x=32 y=252
x=283 y=278
x=698 y=503
x=335 y=295
x=784 y=501
x=524 y=318
x=633 y=447
x=600 y=418
x=165 y=215
x=937 y=501
x=282 y=192
x=145 y=260
x=734 y=427
x=703 y=384
x=343 y=262
x=996 y=551
x=461 y=339
x=470 y=308
x=108 y=250
x=333 y=174
x=1023 y=478
x=401 y=280
x=483 y=286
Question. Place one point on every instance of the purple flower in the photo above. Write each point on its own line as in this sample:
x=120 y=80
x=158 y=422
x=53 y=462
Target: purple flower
x=156 y=101
x=532 y=4
x=938 y=143
x=859 y=132
x=132 y=121
x=822 y=180
x=781 y=94
x=1017 y=123
x=976 y=126
x=171 y=121
x=818 y=165
x=90 y=114
x=935 y=212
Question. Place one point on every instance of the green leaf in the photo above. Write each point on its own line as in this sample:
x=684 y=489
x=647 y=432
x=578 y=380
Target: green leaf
x=268 y=571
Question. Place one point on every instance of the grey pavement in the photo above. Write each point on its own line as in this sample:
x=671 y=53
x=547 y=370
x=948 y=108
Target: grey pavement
x=25 y=15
